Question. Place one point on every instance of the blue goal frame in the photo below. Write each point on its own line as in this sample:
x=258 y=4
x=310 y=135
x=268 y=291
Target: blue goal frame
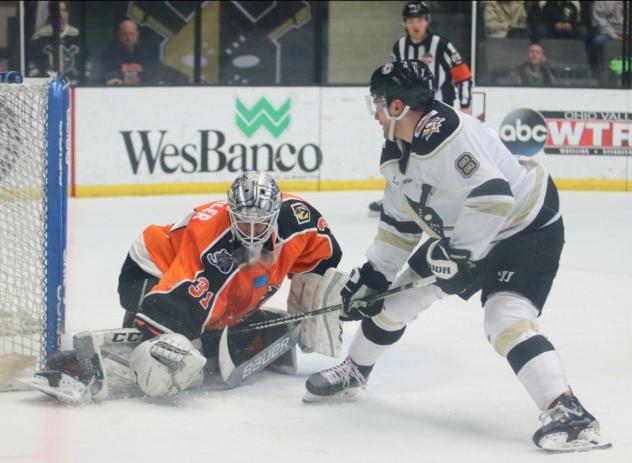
x=56 y=211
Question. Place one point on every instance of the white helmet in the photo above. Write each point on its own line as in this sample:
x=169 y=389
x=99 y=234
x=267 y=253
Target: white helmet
x=254 y=202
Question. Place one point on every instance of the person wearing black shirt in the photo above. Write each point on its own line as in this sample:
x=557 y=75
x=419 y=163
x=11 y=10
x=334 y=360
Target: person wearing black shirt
x=127 y=61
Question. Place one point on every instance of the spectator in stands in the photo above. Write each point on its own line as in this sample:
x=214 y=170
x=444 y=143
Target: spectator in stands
x=42 y=48
x=556 y=19
x=534 y=72
x=126 y=60
x=505 y=19
x=607 y=19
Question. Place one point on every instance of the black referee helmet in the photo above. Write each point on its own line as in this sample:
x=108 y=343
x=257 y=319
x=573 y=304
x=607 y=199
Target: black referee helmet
x=416 y=10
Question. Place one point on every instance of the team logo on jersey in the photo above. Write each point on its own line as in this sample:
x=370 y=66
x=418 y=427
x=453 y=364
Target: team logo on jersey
x=466 y=164
x=387 y=68
x=301 y=213
x=222 y=260
x=432 y=126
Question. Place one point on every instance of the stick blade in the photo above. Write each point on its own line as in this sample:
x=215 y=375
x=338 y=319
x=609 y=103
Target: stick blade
x=234 y=375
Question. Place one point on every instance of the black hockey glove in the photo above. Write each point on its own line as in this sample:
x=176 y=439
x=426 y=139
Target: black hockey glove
x=452 y=267
x=362 y=282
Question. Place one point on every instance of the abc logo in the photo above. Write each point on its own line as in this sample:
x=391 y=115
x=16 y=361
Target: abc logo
x=523 y=132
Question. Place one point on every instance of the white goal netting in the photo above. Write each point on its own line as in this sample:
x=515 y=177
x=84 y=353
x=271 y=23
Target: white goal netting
x=23 y=229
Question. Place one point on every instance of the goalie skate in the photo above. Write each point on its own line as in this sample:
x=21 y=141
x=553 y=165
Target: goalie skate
x=568 y=427
x=342 y=383
x=61 y=386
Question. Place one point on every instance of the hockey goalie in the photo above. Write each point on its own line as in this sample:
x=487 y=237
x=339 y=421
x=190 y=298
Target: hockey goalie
x=189 y=288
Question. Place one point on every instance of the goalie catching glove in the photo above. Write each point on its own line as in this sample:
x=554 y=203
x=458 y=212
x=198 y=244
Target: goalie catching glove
x=166 y=365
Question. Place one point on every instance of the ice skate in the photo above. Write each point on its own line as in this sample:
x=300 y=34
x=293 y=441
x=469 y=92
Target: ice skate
x=341 y=383
x=568 y=427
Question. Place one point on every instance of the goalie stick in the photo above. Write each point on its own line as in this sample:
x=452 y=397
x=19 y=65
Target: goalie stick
x=332 y=308
x=233 y=375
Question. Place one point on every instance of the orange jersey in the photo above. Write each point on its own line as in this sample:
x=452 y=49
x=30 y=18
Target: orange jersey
x=202 y=287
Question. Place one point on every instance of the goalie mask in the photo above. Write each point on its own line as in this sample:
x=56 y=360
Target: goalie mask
x=254 y=202
x=409 y=80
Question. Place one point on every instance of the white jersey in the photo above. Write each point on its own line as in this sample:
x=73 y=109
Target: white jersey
x=457 y=180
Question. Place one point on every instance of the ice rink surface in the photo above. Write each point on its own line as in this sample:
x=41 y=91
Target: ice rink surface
x=440 y=395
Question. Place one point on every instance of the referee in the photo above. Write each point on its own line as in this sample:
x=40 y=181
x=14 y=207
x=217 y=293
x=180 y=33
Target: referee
x=452 y=77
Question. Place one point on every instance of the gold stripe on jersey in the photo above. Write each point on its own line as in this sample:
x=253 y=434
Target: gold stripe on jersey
x=540 y=177
x=395 y=240
x=493 y=208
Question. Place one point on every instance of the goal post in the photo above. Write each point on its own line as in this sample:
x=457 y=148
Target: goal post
x=33 y=218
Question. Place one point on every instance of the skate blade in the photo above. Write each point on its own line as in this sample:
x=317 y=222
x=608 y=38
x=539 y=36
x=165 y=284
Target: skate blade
x=596 y=442
x=349 y=395
x=70 y=391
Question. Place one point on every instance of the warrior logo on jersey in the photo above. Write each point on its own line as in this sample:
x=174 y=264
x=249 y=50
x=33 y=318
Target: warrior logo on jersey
x=466 y=164
x=301 y=213
x=432 y=126
x=222 y=260
x=387 y=68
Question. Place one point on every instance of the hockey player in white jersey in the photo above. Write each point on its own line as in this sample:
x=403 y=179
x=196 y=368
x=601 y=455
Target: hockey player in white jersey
x=460 y=206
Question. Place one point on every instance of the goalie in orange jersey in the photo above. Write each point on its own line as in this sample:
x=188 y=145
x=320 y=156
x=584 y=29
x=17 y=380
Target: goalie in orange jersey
x=182 y=284
x=216 y=268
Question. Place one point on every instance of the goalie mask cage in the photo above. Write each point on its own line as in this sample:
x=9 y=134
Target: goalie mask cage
x=33 y=205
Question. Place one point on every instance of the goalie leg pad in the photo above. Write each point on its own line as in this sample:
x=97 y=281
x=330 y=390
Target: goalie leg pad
x=166 y=365
x=323 y=334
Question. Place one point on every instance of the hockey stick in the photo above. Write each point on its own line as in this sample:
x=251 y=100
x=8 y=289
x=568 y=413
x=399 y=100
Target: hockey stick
x=233 y=375
x=332 y=308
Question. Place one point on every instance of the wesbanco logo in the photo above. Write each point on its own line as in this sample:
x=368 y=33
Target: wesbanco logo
x=527 y=132
x=212 y=152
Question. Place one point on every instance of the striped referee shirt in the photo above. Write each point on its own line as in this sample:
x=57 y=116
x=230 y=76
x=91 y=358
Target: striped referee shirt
x=446 y=64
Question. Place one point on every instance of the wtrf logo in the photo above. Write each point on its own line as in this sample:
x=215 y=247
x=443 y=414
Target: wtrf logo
x=527 y=132
x=211 y=154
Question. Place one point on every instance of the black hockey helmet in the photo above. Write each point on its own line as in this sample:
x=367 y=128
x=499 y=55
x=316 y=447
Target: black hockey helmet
x=409 y=80
x=416 y=10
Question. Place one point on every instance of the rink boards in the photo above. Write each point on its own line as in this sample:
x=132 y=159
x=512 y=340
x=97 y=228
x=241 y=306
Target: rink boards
x=165 y=140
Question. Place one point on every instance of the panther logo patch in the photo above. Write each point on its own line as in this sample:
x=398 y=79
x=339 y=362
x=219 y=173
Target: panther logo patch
x=301 y=213
x=432 y=126
x=222 y=260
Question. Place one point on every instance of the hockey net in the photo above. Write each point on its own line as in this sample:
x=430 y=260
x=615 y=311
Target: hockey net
x=32 y=225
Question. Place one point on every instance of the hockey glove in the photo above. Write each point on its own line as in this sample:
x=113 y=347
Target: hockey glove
x=363 y=281
x=452 y=267
x=166 y=365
